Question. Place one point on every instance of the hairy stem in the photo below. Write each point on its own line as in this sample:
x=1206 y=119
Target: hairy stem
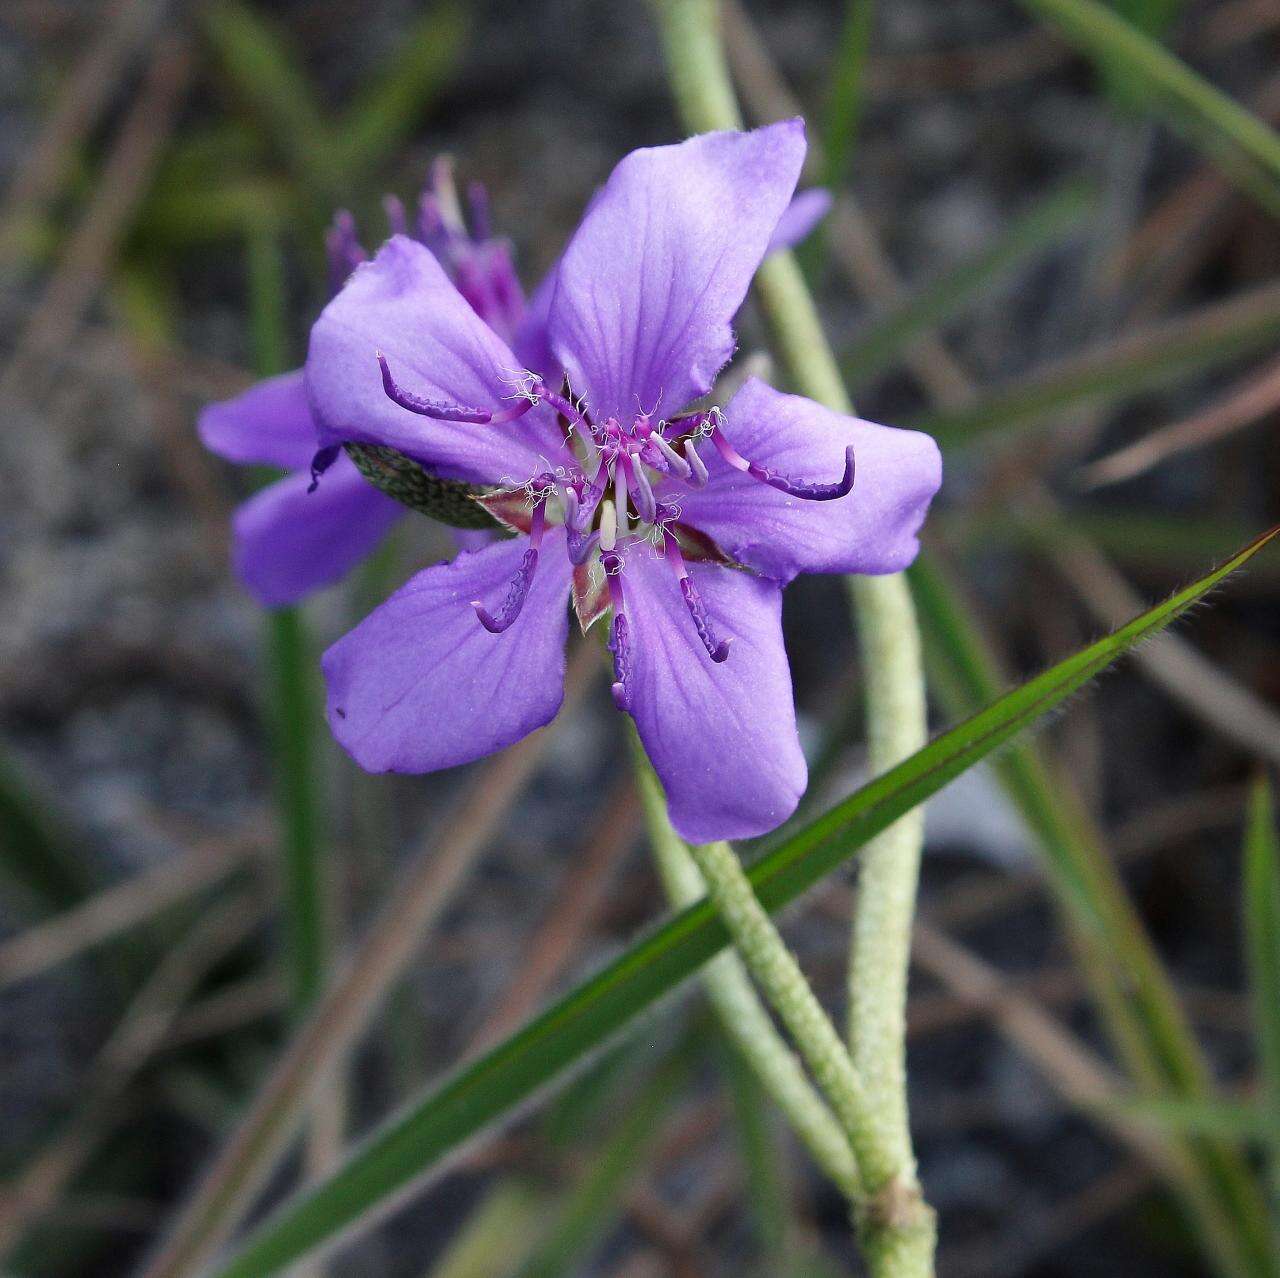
x=739 y=1008
x=900 y=1236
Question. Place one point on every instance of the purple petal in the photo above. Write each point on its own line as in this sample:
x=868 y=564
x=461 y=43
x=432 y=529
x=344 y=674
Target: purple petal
x=654 y=275
x=872 y=530
x=531 y=344
x=269 y=424
x=403 y=304
x=801 y=216
x=289 y=542
x=420 y=684
x=722 y=736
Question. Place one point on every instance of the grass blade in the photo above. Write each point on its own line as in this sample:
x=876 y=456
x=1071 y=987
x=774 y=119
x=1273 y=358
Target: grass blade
x=264 y=76
x=1221 y=1119
x=406 y=1148
x=1133 y=992
x=847 y=91
x=1035 y=230
x=1164 y=353
x=385 y=114
x=1262 y=943
x=1246 y=147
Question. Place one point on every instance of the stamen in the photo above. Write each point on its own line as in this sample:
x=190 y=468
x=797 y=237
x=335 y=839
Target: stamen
x=620 y=497
x=642 y=492
x=478 y=199
x=579 y=542
x=443 y=412
x=512 y=605
x=717 y=649
x=698 y=468
x=518 y=589
x=342 y=249
x=674 y=460
x=806 y=489
x=608 y=526
x=445 y=190
x=619 y=632
x=393 y=207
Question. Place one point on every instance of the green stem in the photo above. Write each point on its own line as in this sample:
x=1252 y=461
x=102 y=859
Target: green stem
x=901 y=1237
x=738 y=1007
x=292 y=694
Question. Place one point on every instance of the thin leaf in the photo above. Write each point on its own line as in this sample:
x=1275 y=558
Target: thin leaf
x=585 y=1216
x=1198 y=1116
x=265 y=77
x=38 y=854
x=1247 y=148
x=1262 y=943
x=406 y=1148
x=385 y=115
x=1164 y=353
x=295 y=730
x=1130 y=985
x=847 y=91
x=1043 y=225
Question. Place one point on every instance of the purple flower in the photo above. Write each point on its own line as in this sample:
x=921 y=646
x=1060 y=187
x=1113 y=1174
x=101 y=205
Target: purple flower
x=292 y=538
x=685 y=520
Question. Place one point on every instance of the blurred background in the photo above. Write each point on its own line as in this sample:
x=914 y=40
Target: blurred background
x=1024 y=259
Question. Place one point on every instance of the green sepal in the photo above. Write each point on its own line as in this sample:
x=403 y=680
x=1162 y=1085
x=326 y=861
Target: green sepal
x=448 y=501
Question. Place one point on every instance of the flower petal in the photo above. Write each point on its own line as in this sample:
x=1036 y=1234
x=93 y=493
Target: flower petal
x=404 y=305
x=801 y=216
x=531 y=346
x=420 y=684
x=289 y=542
x=722 y=737
x=270 y=424
x=872 y=530
x=652 y=278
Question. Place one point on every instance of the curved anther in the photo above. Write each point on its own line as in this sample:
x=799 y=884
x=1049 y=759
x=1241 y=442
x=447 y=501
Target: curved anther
x=427 y=407
x=808 y=490
x=517 y=592
x=518 y=588
x=717 y=649
x=443 y=412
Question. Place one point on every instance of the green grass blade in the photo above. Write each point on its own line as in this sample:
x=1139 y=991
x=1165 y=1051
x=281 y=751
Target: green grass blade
x=38 y=856
x=1262 y=945
x=406 y=1148
x=1248 y=148
x=293 y=693
x=275 y=91
x=586 y=1215
x=1199 y=1116
x=385 y=114
x=1043 y=225
x=847 y=92
x=1164 y=353
x=1134 y=994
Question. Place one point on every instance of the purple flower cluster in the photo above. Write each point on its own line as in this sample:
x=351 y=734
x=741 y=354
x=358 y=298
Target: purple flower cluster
x=581 y=419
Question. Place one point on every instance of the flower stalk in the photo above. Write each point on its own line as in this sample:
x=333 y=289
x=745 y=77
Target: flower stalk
x=738 y=1007
x=898 y=1227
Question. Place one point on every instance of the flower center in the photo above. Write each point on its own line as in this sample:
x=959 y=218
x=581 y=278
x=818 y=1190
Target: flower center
x=621 y=491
